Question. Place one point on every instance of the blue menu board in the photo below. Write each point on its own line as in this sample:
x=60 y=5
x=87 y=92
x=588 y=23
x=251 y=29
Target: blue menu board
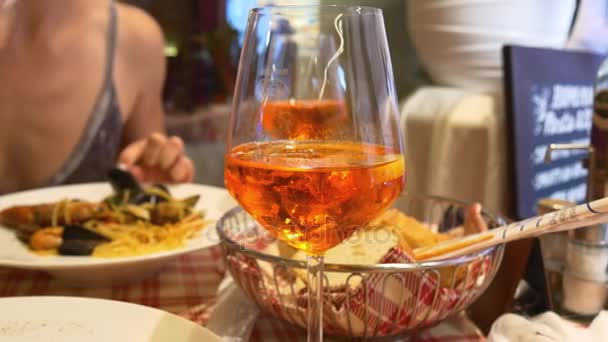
x=548 y=99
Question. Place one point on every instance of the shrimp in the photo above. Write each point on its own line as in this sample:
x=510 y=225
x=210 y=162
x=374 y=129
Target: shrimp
x=46 y=238
x=30 y=218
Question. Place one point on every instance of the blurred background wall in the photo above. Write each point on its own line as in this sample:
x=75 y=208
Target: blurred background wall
x=218 y=24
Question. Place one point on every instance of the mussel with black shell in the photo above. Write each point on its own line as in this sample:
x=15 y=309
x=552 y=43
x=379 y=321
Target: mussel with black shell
x=67 y=240
x=130 y=195
x=128 y=190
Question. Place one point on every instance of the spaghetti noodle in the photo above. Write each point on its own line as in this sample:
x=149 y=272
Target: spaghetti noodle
x=145 y=238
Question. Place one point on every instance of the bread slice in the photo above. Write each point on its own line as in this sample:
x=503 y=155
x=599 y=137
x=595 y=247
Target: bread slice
x=365 y=247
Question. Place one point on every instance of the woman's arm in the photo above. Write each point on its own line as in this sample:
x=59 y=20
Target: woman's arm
x=141 y=45
x=148 y=153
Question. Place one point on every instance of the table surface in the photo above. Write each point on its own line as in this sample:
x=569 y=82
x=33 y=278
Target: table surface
x=190 y=285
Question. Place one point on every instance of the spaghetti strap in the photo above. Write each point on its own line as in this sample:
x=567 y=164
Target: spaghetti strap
x=111 y=45
x=99 y=143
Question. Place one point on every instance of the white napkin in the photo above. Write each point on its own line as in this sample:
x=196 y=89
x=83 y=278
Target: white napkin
x=547 y=327
x=233 y=315
x=465 y=146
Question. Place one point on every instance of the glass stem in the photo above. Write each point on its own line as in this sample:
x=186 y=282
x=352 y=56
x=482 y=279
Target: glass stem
x=314 y=266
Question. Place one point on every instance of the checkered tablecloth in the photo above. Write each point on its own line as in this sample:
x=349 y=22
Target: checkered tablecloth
x=191 y=283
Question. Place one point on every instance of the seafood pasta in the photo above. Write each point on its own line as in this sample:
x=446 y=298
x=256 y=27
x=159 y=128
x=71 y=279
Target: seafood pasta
x=134 y=220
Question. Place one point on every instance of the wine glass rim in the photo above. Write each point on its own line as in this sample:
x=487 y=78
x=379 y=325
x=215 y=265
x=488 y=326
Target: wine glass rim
x=354 y=9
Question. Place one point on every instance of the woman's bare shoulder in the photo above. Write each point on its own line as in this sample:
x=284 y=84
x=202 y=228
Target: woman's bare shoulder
x=138 y=32
x=141 y=63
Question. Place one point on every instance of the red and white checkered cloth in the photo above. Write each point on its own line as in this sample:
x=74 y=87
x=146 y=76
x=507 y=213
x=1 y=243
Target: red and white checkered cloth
x=188 y=287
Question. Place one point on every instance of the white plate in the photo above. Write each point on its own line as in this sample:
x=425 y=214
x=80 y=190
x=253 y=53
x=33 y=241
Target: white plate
x=71 y=319
x=87 y=270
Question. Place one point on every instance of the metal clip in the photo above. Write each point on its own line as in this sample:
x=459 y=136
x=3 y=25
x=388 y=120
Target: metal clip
x=590 y=163
x=595 y=235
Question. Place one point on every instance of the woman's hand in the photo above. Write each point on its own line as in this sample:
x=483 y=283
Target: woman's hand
x=158 y=158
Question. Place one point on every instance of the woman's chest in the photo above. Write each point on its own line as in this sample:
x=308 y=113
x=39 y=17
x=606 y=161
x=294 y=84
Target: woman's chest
x=43 y=116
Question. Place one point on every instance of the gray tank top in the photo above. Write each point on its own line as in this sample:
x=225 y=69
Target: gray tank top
x=99 y=144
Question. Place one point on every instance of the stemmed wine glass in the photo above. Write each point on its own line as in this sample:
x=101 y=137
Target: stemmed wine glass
x=314 y=149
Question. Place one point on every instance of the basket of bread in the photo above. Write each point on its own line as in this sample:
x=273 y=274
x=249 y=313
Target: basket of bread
x=375 y=284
